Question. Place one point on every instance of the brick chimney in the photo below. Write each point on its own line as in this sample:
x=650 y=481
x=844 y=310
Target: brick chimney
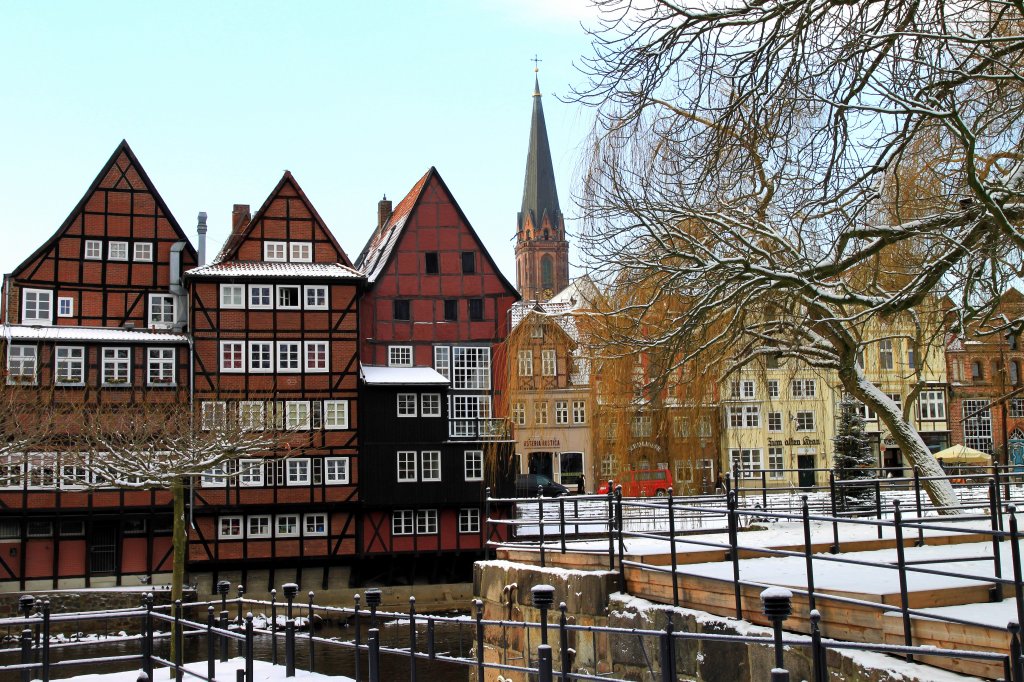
x=240 y=217
x=383 y=211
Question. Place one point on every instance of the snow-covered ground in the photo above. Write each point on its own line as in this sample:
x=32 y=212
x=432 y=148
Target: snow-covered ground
x=263 y=672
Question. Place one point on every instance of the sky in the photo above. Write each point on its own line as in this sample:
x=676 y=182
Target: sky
x=218 y=99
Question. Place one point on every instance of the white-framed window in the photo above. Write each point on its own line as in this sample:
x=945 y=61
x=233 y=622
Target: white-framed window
x=258 y=526
x=251 y=415
x=261 y=296
x=143 y=251
x=1016 y=408
x=442 y=361
x=316 y=356
x=117 y=251
x=519 y=413
x=885 y=357
x=977 y=429
x=548 y=362
x=430 y=463
x=314 y=524
x=776 y=463
x=73 y=476
x=69 y=365
x=275 y=252
x=402 y=522
x=229 y=528
x=579 y=412
x=65 y=306
x=931 y=405
x=426 y=522
x=406 y=404
x=297 y=415
x=399 y=356
x=336 y=470
x=217 y=475
x=160 y=366
x=298 y=471
x=232 y=356
x=744 y=416
x=12 y=469
x=430 y=405
x=561 y=411
x=316 y=297
x=42 y=470
x=473 y=465
x=540 y=412
x=36 y=306
x=773 y=388
x=775 y=421
x=642 y=425
x=804 y=421
x=406 y=466
x=213 y=414
x=289 y=296
x=471 y=368
x=21 y=364
x=161 y=311
x=335 y=414
x=300 y=252
x=681 y=427
x=117 y=367
x=286 y=525
x=232 y=296
x=467 y=410
x=804 y=388
x=288 y=356
x=469 y=520
x=747 y=460
x=250 y=473
x=741 y=389
x=525 y=363
x=261 y=356
x=93 y=249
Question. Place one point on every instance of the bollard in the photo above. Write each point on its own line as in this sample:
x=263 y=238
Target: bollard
x=223 y=639
x=431 y=653
x=543 y=663
x=143 y=676
x=240 y=675
x=834 y=549
x=412 y=639
x=777 y=605
x=373 y=654
x=543 y=597
x=289 y=648
x=309 y=629
x=223 y=587
x=672 y=549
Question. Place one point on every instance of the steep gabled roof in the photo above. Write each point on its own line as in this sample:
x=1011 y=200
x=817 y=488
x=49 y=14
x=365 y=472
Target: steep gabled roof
x=234 y=241
x=122 y=170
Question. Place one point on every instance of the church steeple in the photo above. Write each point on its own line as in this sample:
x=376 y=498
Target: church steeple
x=542 y=253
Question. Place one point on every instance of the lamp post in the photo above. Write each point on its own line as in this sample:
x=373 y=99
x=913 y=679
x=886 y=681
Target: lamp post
x=543 y=597
x=777 y=604
x=373 y=596
x=290 y=590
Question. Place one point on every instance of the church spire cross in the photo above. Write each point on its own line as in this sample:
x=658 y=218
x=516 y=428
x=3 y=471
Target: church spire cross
x=536 y=60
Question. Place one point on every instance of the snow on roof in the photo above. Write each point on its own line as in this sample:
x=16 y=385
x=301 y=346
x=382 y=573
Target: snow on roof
x=376 y=375
x=18 y=332
x=265 y=269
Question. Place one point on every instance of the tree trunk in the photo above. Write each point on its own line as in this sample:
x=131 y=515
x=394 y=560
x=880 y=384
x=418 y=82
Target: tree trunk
x=180 y=545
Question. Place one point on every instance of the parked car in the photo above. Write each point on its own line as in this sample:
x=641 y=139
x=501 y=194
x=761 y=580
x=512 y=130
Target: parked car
x=527 y=485
x=641 y=483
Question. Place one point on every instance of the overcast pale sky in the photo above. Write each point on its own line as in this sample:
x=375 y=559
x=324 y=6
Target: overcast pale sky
x=217 y=99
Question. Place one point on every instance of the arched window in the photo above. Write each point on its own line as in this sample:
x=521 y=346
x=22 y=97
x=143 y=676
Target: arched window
x=976 y=374
x=547 y=276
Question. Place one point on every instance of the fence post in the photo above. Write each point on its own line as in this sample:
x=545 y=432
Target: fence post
x=817 y=653
x=273 y=626
x=561 y=520
x=543 y=663
x=485 y=528
x=147 y=636
x=358 y=637
x=777 y=605
x=46 y=640
x=622 y=544
x=878 y=505
x=1015 y=555
x=668 y=653
x=808 y=552
x=540 y=522
x=901 y=563
x=26 y=654
x=563 y=642
x=412 y=639
x=611 y=526
x=997 y=559
x=211 y=643
x=1016 y=666
x=835 y=516
x=734 y=554
x=479 y=604
x=310 y=627
x=248 y=648
x=431 y=653
x=672 y=549
x=179 y=641
x=764 y=490
x=1000 y=498
x=241 y=593
x=920 y=512
x=289 y=648
x=373 y=654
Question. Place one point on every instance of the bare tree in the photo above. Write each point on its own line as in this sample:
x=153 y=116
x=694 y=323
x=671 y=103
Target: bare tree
x=803 y=173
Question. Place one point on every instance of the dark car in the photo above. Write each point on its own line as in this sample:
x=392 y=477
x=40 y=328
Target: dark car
x=527 y=485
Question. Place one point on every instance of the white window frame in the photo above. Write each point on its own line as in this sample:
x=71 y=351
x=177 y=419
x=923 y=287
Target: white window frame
x=336 y=470
x=776 y=463
x=525 y=362
x=335 y=415
x=250 y=473
x=41 y=470
x=314 y=525
x=773 y=388
x=471 y=368
x=579 y=412
x=281 y=288
x=21 y=357
x=548 y=362
x=473 y=465
x=142 y=252
x=289 y=357
x=642 y=425
x=751 y=456
x=261 y=357
x=233 y=351
x=252 y=415
x=405 y=405
x=931 y=405
x=519 y=413
x=93 y=249
x=65 y=359
x=117 y=251
x=40 y=303
x=804 y=388
x=232 y=296
x=300 y=252
x=158 y=314
x=275 y=252
x=233 y=525
x=286 y=526
x=312 y=351
x=297 y=415
x=213 y=414
x=406 y=466
x=298 y=471
x=426 y=522
x=774 y=420
x=469 y=520
x=430 y=405
x=319 y=292
x=443 y=361
x=65 y=306
x=805 y=421
x=259 y=526
x=561 y=411
x=886 y=357
x=400 y=356
x=261 y=297
x=162 y=360
x=117 y=360
x=540 y=412
x=430 y=465
x=403 y=522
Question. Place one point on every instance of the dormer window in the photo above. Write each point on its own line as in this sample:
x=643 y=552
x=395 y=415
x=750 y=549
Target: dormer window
x=274 y=252
x=300 y=252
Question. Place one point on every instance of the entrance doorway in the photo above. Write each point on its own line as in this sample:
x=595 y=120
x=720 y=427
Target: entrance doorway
x=805 y=463
x=1016 y=451
x=103 y=548
x=542 y=463
x=570 y=465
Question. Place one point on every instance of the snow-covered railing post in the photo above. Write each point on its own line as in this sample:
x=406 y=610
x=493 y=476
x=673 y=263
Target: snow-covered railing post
x=359 y=643
x=310 y=629
x=179 y=641
x=777 y=605
x=1015 y=554
x=543 y=663
x=563 y=641
x=540 y=522
x=249 y=650
x=1000 y=498
x=734 y=554
x=211 y=642
x=479 y=605
x=273 y=627
x=1016 y=664
x=917 y=500
x=147 y=635
x=26 y=654
x=412 y=639
x=622 y=542
x=668 y=652
x=611 y=525
x=808 y=552
x=46 y=640
x=373 y=655
x=901 y=565
x=878 y=505
x=764 y=490
x=289 y=648
x=223 y=587
x=835 y=516
x=672 y=548
x=561 y=520
x=997 y=560
x=818 y=666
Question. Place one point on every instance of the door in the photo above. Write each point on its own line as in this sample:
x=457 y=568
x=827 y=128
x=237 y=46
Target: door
x=1016 y=445
x=570 y=466
x=805 y=463
x=103 y=548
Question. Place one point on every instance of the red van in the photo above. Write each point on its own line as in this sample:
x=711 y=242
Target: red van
x=641 y=483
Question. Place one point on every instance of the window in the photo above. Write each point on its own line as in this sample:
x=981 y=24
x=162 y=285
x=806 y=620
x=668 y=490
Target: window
x=741 y=390
x=473 y=465
x=885 y=354
x=287 y=525
x=431 y=263
x=561 y=412
x=430 y=462
x=519 y=413
x=335 y=414
x=36 y=306
x=476 y=309
x=297 y=415
x=804 y=421
x=117 y=251
x=579 y=412
x=230 y=528
x=911 y=359
x=336 y=470
x=116 y=367
x=406 y=466
x=745 y=416
x=274 y=251
x=288 y=297
x=472 y=367
x=978 y=429
x=232 y=356
x=1014 y=373
x=399 y=356
x=316 y=356
x=537 y=331
x=406 y=404
x=931 y=405
x=232 y=295
x=93 y=249
x=260 y=296
x=258 y=526
x=213 y=414
x=680 y=427
x=261 y=356
x=39 y=529
x=160 y=366
x=868 y=414
x=69 y=365
x=803 y=388
x=540 y=412
x=402 y=522
x=250 y=473
x=976 y=372
x=65 y=306
x=161 y=311
x=288 y=356
x=1017 y=407
x=400 y=309
x=11 y=470
x=143 y=251
x=643 y=426
x=72 y=528
x=775 y=421
x=468 y=262
x=430 y=405
x=897 y=399
x=442 y=361
x=314 y=524
x=776 y=463
x=316 y=297
x=773 y=388
x=298 y=471
x=251 y=415
x=73 y=476
x=547 y=362
x=466 y=411
x=469 y=520
x=300 y=252
x=451 y=309
x=426 y=522
x=42 y=470
x=747 y=461
x=21 y=364
x=525 y=363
